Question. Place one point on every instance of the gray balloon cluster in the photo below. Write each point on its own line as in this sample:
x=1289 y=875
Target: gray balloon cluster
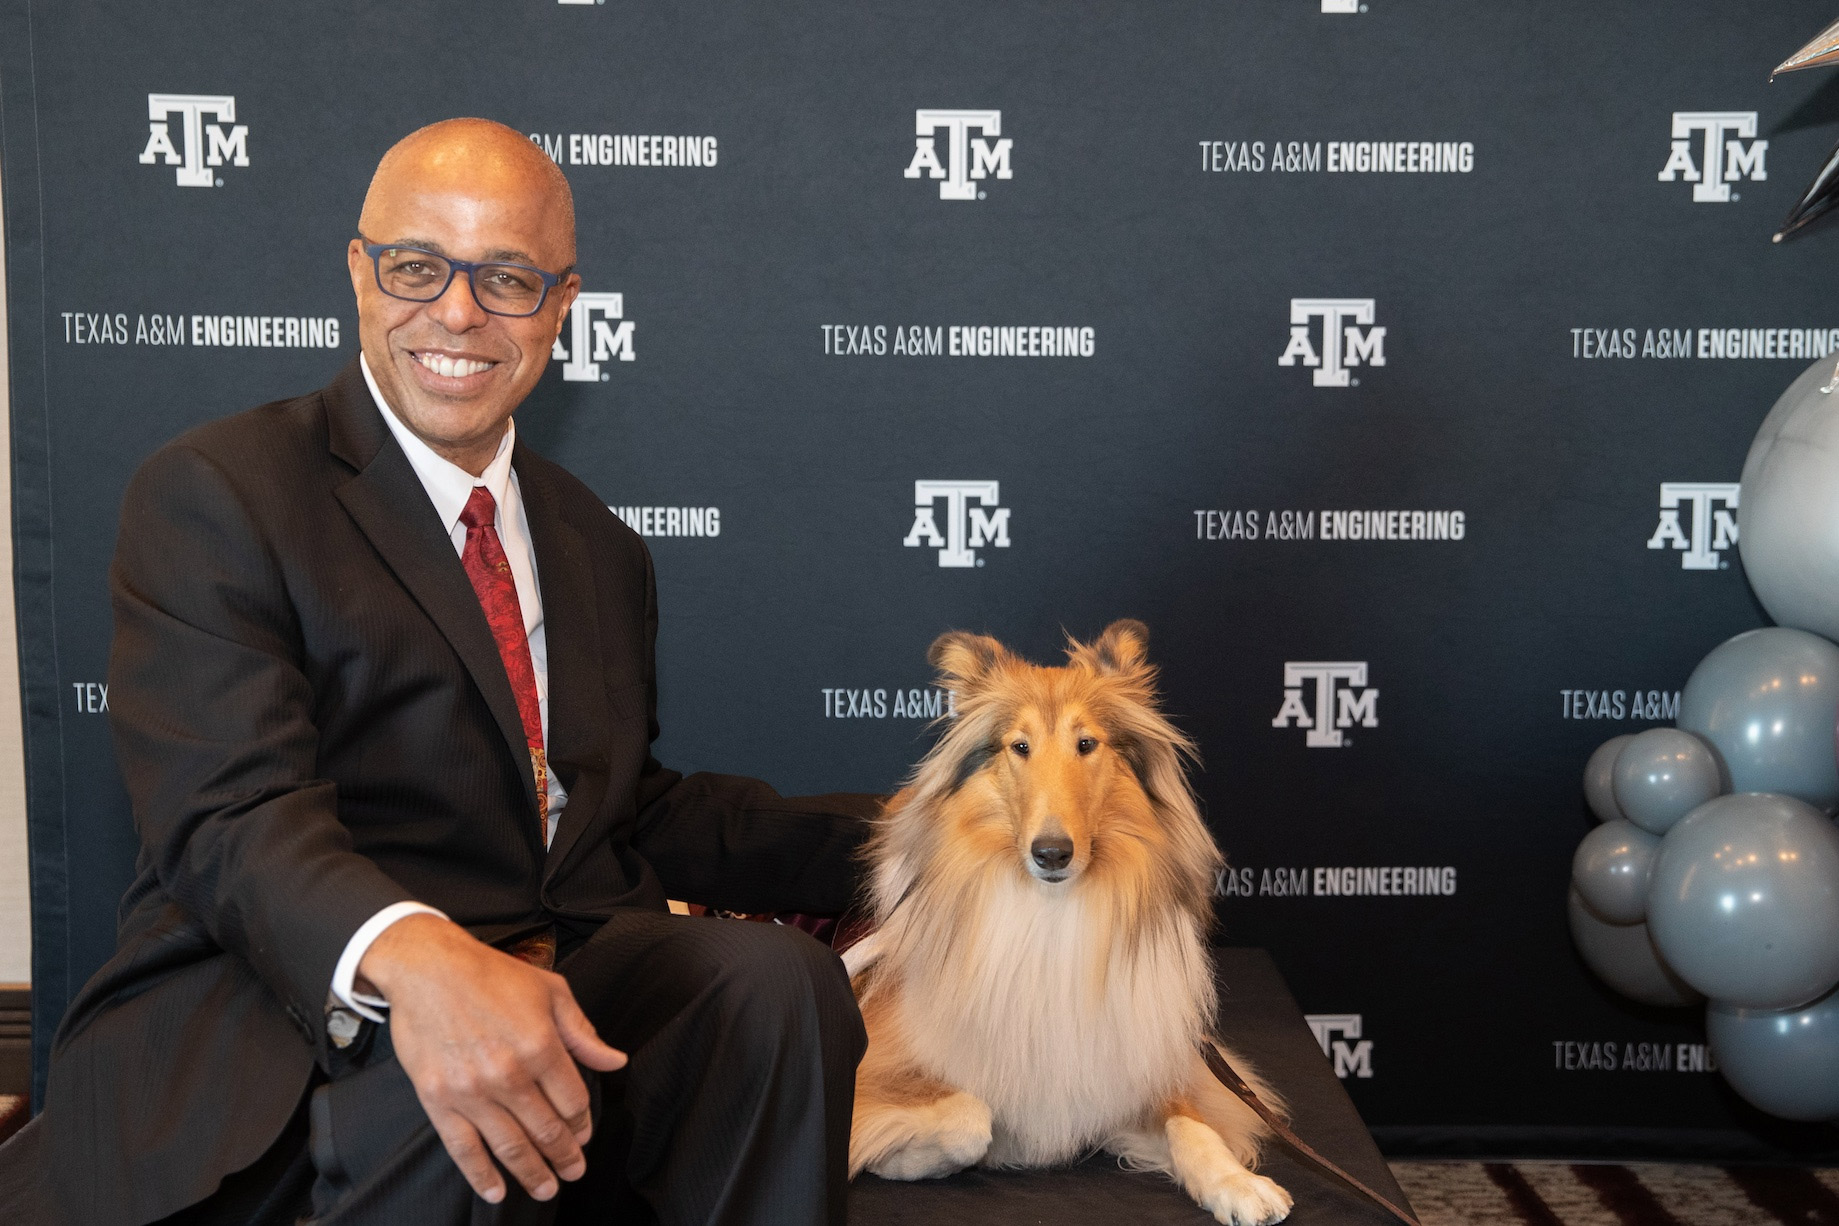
x=1715 y=872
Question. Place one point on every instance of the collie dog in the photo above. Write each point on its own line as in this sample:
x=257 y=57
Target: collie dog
x=1037 y=985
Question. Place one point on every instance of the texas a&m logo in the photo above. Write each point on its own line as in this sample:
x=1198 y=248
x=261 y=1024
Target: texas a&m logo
x=598 y=331
x=1348 y=338
x=225 y=142
x=1353 y=1055
x=972 y=520
x=1341 y=699
x=1713 y=506
x=967 y=158
x=1724 y=157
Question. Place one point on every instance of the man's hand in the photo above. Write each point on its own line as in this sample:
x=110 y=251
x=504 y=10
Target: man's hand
x=490 y=1044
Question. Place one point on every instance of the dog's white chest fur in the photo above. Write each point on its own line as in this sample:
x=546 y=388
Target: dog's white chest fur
x=1045 y=1013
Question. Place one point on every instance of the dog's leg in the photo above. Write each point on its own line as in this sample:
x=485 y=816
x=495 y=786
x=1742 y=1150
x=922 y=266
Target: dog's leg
x=919 y=1138
x=1195 y=1156
x=1207 y=1171
x=1178 y=1142
x=907 y=1125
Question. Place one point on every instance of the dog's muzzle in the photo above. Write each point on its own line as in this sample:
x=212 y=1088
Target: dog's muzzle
x=1050 y=855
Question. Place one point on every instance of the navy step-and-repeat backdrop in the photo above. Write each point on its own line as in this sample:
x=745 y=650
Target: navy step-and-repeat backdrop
x=1394 y=360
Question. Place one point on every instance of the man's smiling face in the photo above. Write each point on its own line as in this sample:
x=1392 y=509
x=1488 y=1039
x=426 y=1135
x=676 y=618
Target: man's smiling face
x=450 y=370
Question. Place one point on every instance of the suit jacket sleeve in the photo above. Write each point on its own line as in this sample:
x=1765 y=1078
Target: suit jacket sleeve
x=732 y=842
x=213 y=720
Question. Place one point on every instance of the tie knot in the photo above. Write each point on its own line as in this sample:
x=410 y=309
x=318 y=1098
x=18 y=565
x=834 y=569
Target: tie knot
x=479 y=509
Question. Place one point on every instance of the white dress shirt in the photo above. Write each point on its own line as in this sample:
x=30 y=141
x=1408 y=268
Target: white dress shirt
x=449 y=487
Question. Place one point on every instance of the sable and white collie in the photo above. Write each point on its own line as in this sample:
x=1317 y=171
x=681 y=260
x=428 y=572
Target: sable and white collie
x=1038 y=985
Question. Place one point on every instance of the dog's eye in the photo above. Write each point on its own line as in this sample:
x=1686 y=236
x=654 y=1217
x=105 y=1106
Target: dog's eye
x=1086 y=745
x=1020 y=747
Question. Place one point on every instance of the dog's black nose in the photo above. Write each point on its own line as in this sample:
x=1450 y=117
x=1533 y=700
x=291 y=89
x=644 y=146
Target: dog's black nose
x=1052 y=852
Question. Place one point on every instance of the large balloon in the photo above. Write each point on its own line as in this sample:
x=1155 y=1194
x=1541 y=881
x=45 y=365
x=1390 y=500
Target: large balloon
x=1599 y=778
x=1623 y=956
x=1611 y=869
x=1785 y=1063
x=1788 y=509
x=1744 y=901
x=1663 y=774
x=1767 y=700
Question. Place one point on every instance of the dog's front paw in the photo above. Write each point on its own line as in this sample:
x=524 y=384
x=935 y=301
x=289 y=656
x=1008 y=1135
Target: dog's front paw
x=1245 y=1199
x=929 y=1141
x=1222 y=1185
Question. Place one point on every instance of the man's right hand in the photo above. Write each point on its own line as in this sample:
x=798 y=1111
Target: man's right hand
x=490 y=1044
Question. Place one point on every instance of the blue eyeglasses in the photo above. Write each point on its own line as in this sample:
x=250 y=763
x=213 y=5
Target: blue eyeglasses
x=417 y=275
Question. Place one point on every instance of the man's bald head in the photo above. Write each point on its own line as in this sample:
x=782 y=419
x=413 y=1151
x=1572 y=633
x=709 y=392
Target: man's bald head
x=481 y=155
x=475 y=191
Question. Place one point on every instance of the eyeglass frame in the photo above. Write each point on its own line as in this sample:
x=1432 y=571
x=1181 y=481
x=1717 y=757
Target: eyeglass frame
x=454 y=267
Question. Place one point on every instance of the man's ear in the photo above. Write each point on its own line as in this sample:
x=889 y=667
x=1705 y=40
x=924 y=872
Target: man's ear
x=964 y=659
x=359 y=266
x=565 y=295
x=1123 y=649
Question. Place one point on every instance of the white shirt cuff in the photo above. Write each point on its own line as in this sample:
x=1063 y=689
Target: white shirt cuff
x=343 y=975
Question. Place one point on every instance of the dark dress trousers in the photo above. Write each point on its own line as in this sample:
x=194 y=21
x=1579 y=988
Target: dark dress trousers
x=313 y=722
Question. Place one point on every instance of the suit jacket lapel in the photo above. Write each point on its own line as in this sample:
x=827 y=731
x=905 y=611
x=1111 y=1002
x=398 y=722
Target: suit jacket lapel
x=571 y=630
x=391 y=507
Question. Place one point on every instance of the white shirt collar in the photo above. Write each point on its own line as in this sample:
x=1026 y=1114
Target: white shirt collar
x=448 y=485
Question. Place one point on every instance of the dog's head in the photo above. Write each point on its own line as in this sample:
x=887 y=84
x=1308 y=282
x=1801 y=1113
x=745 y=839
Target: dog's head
x=1059 y=774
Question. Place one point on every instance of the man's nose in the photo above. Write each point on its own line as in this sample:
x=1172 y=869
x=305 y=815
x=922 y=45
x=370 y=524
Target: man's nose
x=457 y=310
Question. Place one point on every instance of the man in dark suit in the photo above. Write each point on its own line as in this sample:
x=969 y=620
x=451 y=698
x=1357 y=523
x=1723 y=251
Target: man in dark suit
x=383 y=693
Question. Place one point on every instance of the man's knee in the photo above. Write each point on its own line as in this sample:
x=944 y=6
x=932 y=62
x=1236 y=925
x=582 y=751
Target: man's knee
x=772 y=965
x=662 y=973
x=776 y=980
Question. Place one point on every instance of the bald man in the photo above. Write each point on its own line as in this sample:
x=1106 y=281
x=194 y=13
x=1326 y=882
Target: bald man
x=382 y=691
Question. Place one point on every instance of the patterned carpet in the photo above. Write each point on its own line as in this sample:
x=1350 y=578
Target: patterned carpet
x=1561 y=1194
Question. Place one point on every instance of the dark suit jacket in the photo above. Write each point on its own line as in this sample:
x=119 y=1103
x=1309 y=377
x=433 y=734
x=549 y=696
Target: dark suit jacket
x=313 y=722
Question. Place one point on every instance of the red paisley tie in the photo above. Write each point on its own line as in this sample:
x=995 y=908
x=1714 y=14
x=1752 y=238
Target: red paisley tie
x=490 y=573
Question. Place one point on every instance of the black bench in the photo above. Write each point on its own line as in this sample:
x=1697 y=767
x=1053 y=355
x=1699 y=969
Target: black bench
x=1259 y=1017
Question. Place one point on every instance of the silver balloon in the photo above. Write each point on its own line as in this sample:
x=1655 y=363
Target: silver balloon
x=1785 y=1063
x=1623 y=956
x=1788 y=513
x=1610 y=870
x=1744 y=901
x=1767 y=701
x=1663 y=774
x=1599 y=778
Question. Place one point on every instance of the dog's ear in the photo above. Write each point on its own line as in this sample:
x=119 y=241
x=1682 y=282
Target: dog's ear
x=1122 y=648
x=965 y=658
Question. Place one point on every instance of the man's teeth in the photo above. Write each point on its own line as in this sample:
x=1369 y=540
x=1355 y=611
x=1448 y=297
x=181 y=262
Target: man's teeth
x=452 y=368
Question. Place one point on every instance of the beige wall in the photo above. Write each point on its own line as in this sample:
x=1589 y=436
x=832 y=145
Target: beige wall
x=15 y=899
